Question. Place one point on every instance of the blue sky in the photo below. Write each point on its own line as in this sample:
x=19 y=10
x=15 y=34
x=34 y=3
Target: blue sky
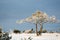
x=12 y=10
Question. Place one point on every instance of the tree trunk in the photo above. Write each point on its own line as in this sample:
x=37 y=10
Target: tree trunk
x=41 y=27
x=36 y=30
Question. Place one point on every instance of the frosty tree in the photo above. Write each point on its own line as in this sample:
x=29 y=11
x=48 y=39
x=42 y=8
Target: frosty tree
x=40 y=18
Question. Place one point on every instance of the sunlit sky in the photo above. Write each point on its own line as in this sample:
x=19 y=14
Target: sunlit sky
x=13 y=10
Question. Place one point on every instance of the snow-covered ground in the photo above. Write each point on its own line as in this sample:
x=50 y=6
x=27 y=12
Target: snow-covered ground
x=44 y=36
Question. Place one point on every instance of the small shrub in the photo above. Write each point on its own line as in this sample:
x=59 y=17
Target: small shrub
x=17 y=31
x=51 y=32
x=0 y=30
x=23 y=31
x=44 y=31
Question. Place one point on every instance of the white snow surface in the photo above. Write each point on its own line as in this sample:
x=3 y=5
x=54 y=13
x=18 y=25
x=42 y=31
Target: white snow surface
x=32 y=36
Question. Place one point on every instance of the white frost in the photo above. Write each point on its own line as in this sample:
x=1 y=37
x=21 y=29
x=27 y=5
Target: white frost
x=44 y=36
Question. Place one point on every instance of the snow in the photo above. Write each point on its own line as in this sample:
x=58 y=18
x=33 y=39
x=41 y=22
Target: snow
x=32 y=36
